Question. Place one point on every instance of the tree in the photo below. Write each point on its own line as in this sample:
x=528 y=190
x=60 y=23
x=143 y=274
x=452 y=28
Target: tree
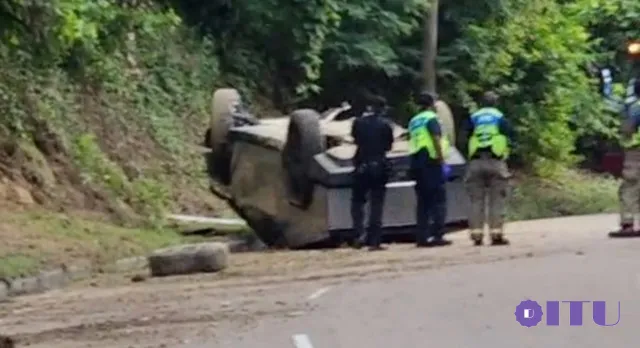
x=430 y=46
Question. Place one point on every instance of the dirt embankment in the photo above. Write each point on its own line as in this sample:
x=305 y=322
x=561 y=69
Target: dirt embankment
x=41 y=171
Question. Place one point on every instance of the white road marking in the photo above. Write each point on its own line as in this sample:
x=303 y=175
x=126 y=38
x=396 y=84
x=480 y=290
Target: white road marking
x=302 y=341
x=318 y=293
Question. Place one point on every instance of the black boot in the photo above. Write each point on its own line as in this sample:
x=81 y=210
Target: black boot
x=438 y=241
x=358 y=242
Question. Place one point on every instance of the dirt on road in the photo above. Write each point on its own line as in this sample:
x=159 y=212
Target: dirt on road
x=111 y=311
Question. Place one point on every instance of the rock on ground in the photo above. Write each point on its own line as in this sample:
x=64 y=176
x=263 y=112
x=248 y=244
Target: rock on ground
x=187 y=259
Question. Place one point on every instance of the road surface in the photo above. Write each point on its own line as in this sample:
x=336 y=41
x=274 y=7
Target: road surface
x=459 y=296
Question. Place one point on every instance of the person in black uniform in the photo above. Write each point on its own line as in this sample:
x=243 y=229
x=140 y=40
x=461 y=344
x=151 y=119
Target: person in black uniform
x=373 y=135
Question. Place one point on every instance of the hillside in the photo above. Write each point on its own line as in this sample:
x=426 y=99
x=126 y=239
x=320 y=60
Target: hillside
x=103 y=103
x=116 y=135
x=99 y=125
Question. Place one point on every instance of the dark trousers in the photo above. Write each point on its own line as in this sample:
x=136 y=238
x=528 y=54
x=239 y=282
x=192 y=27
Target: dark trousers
x=431 y=212
x=369 y=184
x=431 y=196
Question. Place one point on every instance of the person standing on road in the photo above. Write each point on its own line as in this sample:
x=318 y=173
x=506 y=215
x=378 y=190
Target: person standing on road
x=373 y=137
x=428 y=148
x=629 y=192
x=487 y=176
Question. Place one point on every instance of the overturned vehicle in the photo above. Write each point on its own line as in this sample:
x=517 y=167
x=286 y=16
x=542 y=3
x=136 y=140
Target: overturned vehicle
x=289 y=177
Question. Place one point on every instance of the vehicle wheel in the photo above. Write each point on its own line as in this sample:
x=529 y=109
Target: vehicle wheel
x=304 y=140
x=216 y=136
x=207 y=138
x=446 y=119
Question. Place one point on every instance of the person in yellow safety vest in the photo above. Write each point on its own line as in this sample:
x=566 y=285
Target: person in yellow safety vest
x=630 y=188
x=487 y=176
x=428 y=149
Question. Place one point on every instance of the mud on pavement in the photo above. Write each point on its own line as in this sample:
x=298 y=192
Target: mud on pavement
x=177 y=311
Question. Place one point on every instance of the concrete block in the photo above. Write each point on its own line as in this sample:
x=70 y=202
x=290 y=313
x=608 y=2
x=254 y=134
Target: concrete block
x=24 y=286
x=79 y=271
x=51 y=280
x=238 y=246
x=4 y=290
x=131 y=264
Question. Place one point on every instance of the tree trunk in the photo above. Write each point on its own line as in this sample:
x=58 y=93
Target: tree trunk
x=430 y=48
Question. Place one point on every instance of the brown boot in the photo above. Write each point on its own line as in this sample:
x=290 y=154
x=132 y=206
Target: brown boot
x=477 y=237
x=497 y=237
x=626 y=228
x=626 y=231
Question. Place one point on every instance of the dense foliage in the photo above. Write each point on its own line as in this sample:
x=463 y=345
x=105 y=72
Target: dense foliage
x=164 y=57
x=535 y=53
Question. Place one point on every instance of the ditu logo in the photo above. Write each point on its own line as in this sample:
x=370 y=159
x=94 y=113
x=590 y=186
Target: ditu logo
x=529 y=313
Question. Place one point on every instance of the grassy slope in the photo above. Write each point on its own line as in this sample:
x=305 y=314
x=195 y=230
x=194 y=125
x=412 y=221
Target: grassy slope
x=35 y=239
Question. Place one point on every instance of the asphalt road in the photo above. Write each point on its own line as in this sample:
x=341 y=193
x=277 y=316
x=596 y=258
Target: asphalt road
x=460 y=297
x=469 y=306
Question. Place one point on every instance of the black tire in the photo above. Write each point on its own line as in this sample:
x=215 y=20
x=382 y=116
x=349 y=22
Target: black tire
x=216 y=136
x=207 y=138
x=304 y=140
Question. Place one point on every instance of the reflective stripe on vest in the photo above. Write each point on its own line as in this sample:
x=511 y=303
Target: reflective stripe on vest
x=635 y=138
x=486 y=133
x=420 y=137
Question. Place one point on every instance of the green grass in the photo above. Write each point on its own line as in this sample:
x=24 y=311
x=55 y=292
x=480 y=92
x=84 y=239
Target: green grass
x=35 y=241
x=568 y=193
x=18 y=264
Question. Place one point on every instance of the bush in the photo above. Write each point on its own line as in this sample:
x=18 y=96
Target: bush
x=566 y=193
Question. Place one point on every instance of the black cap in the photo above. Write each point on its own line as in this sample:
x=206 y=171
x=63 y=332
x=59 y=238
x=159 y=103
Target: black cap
x=490 y=98
x=376 y=101
x=427 y=99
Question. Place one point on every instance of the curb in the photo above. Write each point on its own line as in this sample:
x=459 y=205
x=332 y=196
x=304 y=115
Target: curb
x=4 y=289
x=56 y=278
x=60 y=277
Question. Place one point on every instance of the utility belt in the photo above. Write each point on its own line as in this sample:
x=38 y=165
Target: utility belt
x=485 y=153
x=377 y=168
x=422 y=157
